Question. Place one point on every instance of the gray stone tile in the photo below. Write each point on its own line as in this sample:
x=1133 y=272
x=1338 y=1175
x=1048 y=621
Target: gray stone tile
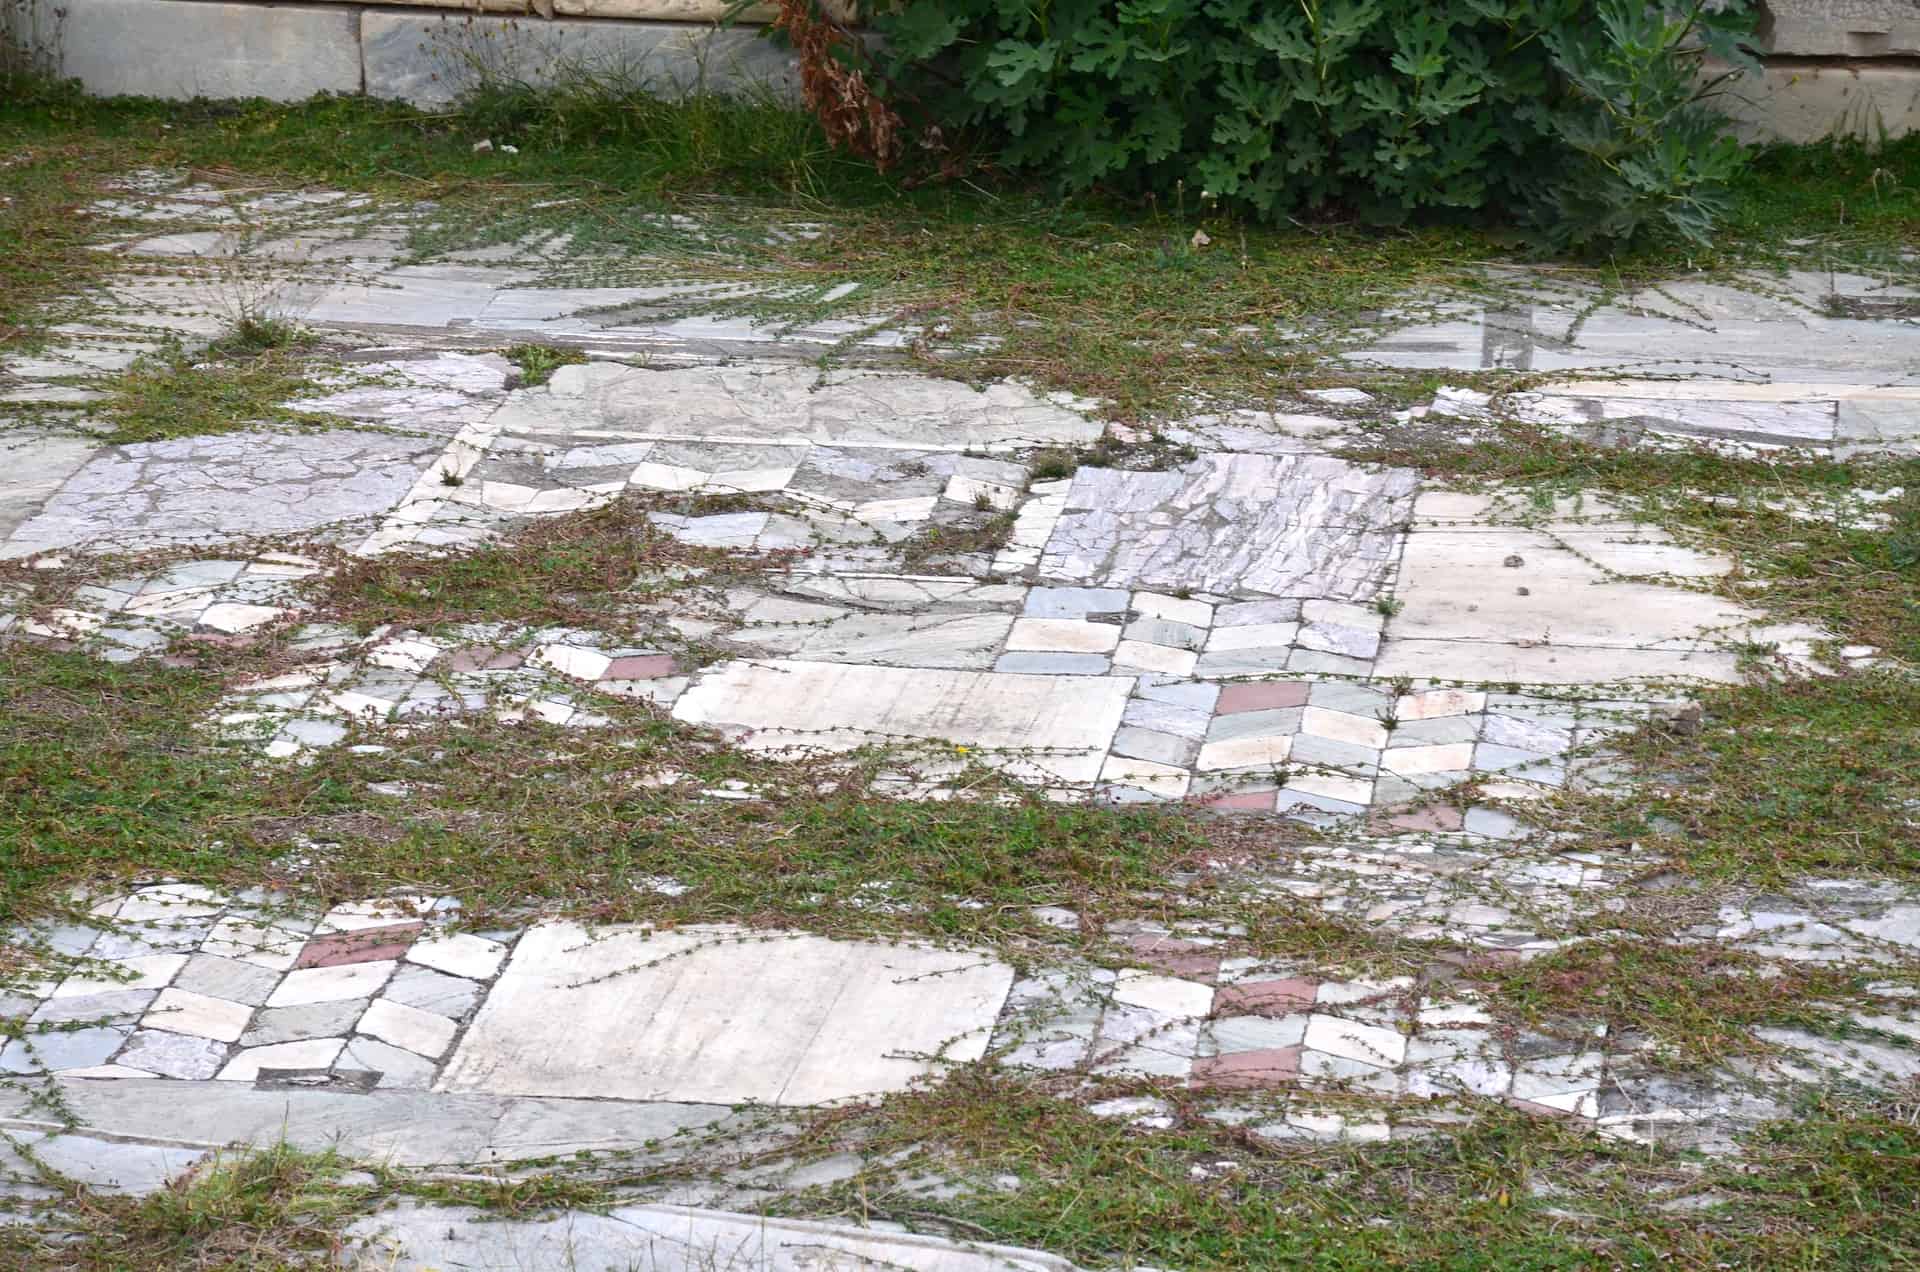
x=1314 y=662
x=294 y=1024
x=1165 y=717
x=1462 y=728
x=227 y=978
x=398 y=1069
x=112 y=1166
x=1354 y=699
x=1161 y=748
x=1179 y=693
x=1362 y=761
x=48 y=1051
x=173 y=1055
x=1255 y=724
x=112 y=1007
x=1526 y=734
x=1230 y=663
x=1160 y=631
x=1250 y=613
x=451 y=996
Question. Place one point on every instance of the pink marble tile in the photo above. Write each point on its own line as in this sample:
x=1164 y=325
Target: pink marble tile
x=640 y=667
x=1538 y=1110
x=1265 y=998
x=1428 y=817
x=1265 y=695
x=1253 y=801
x=368 y=945
x=1242 y=1070
x=1172 y=956
x=484 y=658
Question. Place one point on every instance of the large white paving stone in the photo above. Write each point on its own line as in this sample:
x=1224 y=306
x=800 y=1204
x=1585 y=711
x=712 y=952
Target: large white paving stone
x=838 y=707
x=789 y=404
x=720 y=1015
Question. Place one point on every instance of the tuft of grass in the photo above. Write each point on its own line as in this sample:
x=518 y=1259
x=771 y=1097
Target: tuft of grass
x=975 y=534
x=242 y=381
x=1505 y=1191
x=584 y=569
x=1783 y=780
x=538 y=362
x=279 y=1208
x=107 y=775
x=1699 y=1002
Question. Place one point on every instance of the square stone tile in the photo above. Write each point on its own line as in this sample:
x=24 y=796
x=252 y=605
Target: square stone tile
x=330 y=984
x=227 y=978
x=723 y=1016
x=459 y=954
x=410 y=1028
x=1247 y=1070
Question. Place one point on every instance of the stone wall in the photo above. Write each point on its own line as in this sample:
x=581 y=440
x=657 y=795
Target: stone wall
x=287 y=52
x=1834 y=66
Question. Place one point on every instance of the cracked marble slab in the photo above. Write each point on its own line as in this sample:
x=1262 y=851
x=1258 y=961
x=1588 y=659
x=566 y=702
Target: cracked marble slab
x=1235 y=525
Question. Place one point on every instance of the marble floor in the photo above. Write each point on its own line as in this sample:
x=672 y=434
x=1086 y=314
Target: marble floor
x=1252 y=624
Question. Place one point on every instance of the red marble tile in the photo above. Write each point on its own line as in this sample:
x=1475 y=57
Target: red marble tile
x=1428 y=817
x=640 y=667
x=484 y=658
x=1265 y=695
x=1265 y=998
x=368 y=945
x=1171 y=956
x=1242 y=1070
x=1253 y=801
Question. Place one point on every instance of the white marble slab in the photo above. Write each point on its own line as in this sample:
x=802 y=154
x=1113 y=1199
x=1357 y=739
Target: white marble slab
x=725 y=1016
x=1061 y=724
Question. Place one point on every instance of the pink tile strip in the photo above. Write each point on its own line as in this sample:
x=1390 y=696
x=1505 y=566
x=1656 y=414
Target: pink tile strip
x=368 y=945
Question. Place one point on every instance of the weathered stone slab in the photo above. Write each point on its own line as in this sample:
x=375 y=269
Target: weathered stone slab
x=790 y=405
x=1067 y=720
x=716 y=1015
x=430 y=60
x=196 y=48
x=1842 y=28
x=1236 y=525
x=415 y=1238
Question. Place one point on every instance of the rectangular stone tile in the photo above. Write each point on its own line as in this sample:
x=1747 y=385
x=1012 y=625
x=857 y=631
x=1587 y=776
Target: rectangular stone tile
x=1342 y=726
x=1250 y=724
x=1062 y=635
x=1166 y=781
x=1160 y=631
x=1164 y=659
x=1161 y=748
x=1243 y=753
x=1232 y=664
x=840 y=707
x=1174 y=609
x=198 y=1015
x=1166 y=718
x=1076 y=602
x=700 y=1015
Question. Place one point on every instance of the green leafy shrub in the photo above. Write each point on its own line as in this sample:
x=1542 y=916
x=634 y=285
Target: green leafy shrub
x=1586 y=118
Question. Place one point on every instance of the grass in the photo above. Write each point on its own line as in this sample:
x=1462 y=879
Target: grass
x=538 y=362
x=585 y=569
x=1697 y=1002
x=275 y=1210
x=106 y=778
x=1101 y=298
x=1826 y=1189
x=243 y=380
x=1783 y=781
